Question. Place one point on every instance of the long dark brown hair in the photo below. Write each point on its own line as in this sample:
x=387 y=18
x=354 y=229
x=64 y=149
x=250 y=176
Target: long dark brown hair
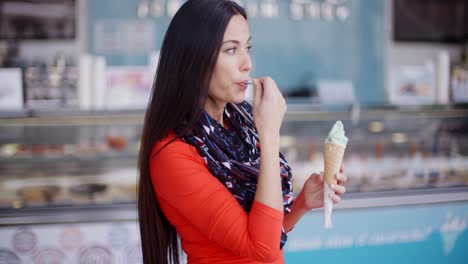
x=188 y=56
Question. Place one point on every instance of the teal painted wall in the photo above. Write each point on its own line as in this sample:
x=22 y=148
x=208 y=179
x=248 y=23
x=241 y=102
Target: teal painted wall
x=433 y=233
x=294 y=53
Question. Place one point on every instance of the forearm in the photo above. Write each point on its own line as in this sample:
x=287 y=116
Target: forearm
x=297 y=211
x=269 y=183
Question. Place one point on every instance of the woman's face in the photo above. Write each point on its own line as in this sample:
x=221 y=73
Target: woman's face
x=232 y=69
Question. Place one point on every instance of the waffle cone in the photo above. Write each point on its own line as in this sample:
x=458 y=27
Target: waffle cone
x=333 y=157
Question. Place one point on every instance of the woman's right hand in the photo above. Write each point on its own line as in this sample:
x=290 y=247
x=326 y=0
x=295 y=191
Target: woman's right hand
x=269 y=107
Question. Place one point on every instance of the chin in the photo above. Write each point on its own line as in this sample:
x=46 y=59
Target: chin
x=238 y=99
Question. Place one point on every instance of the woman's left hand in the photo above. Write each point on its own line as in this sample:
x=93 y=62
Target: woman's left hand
x=312 y=191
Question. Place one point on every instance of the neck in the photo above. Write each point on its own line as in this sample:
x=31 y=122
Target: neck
x=215 y=109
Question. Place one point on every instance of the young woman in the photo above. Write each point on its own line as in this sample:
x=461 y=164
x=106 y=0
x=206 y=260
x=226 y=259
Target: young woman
x=210 y=168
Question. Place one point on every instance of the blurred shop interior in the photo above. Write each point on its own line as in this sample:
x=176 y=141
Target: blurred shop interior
x=75 y=77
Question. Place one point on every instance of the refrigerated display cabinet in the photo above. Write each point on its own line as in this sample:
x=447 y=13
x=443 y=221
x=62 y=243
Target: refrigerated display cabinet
x=77 y=171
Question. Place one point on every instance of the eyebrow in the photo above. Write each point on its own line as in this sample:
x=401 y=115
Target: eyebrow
x=236 y=41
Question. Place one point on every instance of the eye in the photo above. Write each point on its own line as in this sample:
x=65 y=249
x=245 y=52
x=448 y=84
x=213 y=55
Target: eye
x=231 y=51
x=249 y=48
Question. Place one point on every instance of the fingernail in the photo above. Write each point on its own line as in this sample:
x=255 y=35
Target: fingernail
x=332 y=186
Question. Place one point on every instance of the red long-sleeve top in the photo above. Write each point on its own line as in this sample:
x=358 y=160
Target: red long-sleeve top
x=212 y=225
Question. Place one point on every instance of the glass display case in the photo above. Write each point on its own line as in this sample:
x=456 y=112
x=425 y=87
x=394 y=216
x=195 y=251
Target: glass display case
x=68 y=185
x=388 y=150
x=88 y=160
x=69 y=159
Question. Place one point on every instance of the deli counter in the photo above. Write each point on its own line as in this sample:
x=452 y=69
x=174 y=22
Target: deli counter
x=68 y=184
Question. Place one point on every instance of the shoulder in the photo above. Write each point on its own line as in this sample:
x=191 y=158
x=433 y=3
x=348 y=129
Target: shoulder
x=171 y=150
x=170 y=141
x=177 y=168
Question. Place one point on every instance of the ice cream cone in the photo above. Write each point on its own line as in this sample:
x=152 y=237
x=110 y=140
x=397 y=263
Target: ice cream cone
x=333 y=152
x=333 y=157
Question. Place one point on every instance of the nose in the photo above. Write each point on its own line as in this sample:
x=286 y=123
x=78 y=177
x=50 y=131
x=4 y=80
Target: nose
x=246 y=63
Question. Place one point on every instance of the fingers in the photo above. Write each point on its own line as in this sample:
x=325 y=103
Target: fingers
x=258 y=92
x=265 y=88
x=262 y=79
x=335 y=198
x=266 y=83
x=341 y=178
x=269 y=107
x=270 y=89
x=338 y=189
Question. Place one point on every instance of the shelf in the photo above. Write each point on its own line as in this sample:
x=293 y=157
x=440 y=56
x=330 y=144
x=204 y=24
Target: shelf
x=295 y=112
x=38 y=159
x=73 y=118
x=304 y=112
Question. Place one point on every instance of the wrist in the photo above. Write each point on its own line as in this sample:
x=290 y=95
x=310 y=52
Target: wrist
x=300 y=203
x=270 y=138
x=298 y=210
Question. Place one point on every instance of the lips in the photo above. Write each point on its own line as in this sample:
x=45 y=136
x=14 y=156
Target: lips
x=243 y=84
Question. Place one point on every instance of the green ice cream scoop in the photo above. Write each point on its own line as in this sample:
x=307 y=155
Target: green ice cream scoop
x=337 y=135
